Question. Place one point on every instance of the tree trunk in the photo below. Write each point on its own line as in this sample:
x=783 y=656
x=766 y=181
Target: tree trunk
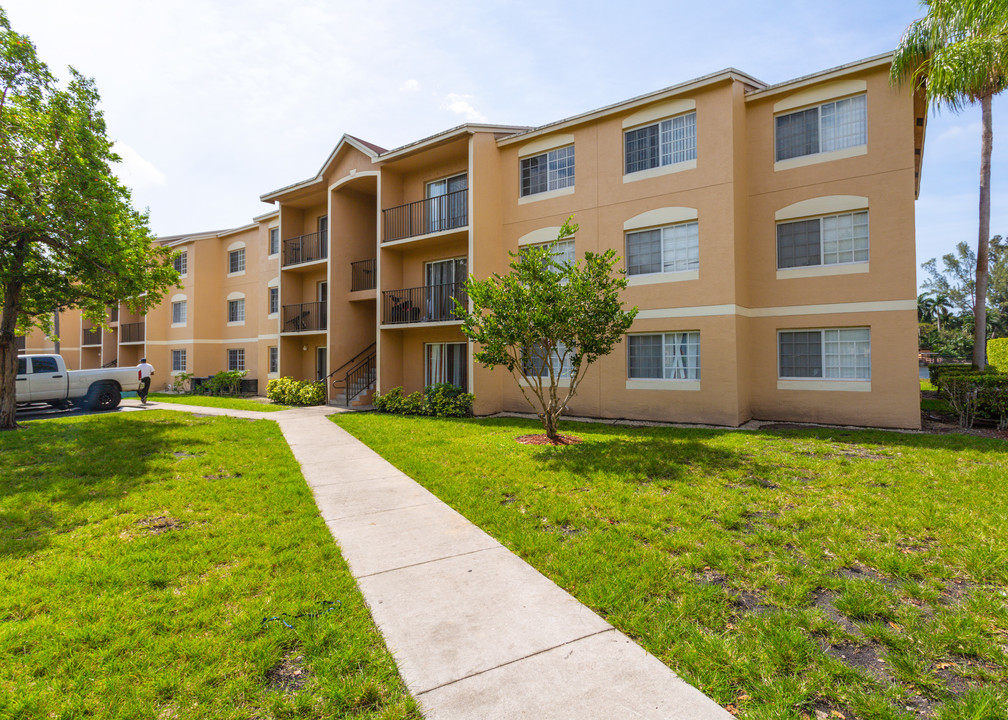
x=8 y=357
x=550 y=422
x=980 y=303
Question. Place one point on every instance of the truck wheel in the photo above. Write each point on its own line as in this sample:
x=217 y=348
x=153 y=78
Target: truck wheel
x=104 y=397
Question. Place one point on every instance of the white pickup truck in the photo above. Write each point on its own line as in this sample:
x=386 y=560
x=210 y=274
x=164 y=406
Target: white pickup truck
x=45 y=379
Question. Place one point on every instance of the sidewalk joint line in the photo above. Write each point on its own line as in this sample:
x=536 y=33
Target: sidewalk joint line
x=432 y=560
x=516 y=660
x=378 y=512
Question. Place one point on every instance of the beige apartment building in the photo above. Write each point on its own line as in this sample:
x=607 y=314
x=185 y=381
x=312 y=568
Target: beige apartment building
x=767 y=233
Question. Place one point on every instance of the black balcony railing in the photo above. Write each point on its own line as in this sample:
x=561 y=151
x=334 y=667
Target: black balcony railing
x=131 y=333
x=306 y=248
x=436 y=214
x=429 y=303
x=363 y=274
x=304 y=317
x=19 y=343
x=113 y=314
x=90 y=336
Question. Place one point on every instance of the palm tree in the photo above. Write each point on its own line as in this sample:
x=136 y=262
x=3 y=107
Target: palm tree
x=957 y=54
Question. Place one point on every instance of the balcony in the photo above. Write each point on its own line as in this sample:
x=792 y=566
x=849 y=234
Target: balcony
x=363 y=274
x=90 y=337
x=426 y=304
x=424 y=217
x=19 y=343
x=114 y=314
x=304 y=317
x=305 y=249
x=131 y=333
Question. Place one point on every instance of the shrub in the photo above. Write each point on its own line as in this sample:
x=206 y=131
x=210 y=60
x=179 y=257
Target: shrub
x=179 y=381
x=440 y=400
x=973 y=394
x=997 y=354
x=942 y=370
x=226 y=382
x=288 y=391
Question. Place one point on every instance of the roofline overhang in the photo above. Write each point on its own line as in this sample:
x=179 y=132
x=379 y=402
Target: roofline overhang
x=623 y=105
x=822 y=75
x=447 y=136
x=235 y=231
x=266 y=216
x=319 y=178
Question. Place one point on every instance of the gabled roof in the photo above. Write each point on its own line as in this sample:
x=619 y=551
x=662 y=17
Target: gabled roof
x=449 y=134
x=369 y=149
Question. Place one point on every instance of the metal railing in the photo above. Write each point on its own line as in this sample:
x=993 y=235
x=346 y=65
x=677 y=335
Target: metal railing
x=131 y=333
x=428 y=303
x=363 y=274
x=436 y=214
x=304 y=317
x=359 y=377
x=20 y=343
x=90 y=336
x=114 y=314
x=111 y=363
x=305 y=248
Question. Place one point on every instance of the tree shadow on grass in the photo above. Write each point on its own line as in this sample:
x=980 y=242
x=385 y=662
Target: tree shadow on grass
x=76 y=462
x=889 y=438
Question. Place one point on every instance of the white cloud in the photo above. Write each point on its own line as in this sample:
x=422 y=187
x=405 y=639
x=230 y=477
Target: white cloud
x=134 y=170
x=460 y=105
x=410 y=85
x=968 y=130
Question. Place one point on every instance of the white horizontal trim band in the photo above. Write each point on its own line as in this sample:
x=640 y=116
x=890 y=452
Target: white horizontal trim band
x=825 y=309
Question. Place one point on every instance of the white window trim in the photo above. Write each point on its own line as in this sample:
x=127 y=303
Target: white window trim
x=661 y=383
x=227 y=358
x=171 y=358
x=230 y=299
x=547 y=194
x=272 y=315
x=823 y=383
x=175 y=302
x=269 y=231
x=183 y=253
x=237 y=273
x=660 y=169
x=819 y=157
x=838 y=268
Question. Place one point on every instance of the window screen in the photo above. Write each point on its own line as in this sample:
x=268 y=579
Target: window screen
x=236 y=310
x=800 y=354
x=178 y=312
x=178 y=360
x=274 y=241
x=549 y=171
x=675 y=248
x=181 y=263
x=797 y=134
x=798 y=243
x=668 y=356
x=236 y=359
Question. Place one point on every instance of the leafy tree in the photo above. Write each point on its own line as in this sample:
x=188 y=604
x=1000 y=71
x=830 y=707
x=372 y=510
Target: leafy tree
x=957 y=54
x=953 y=284
x=547 y=320
x=69 y=236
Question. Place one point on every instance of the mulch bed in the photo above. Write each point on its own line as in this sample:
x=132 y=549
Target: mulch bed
x=541 y=439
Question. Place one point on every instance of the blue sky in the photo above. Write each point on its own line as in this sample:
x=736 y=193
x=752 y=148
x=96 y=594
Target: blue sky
x=213 y=103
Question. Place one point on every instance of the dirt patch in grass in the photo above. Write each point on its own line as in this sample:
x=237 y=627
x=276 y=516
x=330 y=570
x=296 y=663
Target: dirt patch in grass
x=184 y=454
x=867 y=657
x=751 y=602
x=222 y=476
x=159 y=524
x=541 y=439
x=289 y=675
x=824 y=599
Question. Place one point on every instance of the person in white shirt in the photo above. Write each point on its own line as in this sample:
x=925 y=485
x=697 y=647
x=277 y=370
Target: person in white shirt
x=144 y=371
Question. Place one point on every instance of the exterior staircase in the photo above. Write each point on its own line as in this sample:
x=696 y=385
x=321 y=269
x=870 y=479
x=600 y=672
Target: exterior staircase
x=353 y=382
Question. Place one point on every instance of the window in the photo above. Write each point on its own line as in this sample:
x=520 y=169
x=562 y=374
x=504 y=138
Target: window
x=446 y=203
x=445 y=363
x=274 y=359
x=666 y=356
x=274 y=241
x=178 y=312
x=236 y=310
x=665 y=143
x=44 y=364
x=674 y=248
x=236 y=359
x=829 y=240
x=181 y=263
x=22 y=366
x=274 y=300
x=178 y=360
x=236 y=260
x=444 y=287
x=550 y=171
x=563 y=251
x=833 y=354
x=535 y=361
x=833 y=126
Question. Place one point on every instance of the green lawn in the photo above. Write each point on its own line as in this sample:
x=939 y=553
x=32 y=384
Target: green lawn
x=782 y=572
x=139 y=555
x=218 y=402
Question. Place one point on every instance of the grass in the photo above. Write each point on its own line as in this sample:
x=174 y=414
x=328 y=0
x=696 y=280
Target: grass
x=781 y=572
x=231 y=403
x=139 y=556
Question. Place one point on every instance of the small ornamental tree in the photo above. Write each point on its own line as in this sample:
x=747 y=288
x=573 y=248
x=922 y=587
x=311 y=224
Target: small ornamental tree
x=69 y=236
x=547 y=321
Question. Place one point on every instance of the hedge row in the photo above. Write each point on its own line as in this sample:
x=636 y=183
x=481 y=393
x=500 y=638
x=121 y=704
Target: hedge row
x=288 y=391
x=997 y=354
x=972 y=393
x=440 y=400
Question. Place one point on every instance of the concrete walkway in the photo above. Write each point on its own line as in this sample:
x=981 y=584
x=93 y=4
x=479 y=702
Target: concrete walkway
x=476 y=631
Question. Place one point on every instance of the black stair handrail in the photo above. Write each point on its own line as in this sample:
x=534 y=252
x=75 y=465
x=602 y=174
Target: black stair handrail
x=359 y=378
x=366 y=350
